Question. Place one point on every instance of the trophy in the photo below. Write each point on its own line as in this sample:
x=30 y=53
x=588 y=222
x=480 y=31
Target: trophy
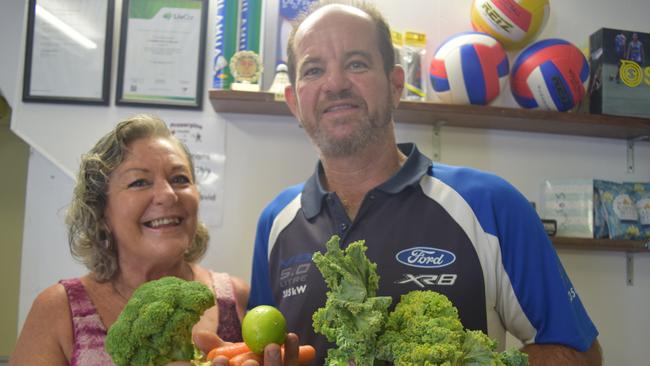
x=246 y=68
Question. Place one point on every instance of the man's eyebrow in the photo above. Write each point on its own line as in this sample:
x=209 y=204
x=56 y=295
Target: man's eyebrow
x=354 y=53
x=348 y=55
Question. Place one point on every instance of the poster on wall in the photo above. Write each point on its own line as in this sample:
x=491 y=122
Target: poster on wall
x=162 y=49
x=206 y=141
x=288 y=12
x=68 y=51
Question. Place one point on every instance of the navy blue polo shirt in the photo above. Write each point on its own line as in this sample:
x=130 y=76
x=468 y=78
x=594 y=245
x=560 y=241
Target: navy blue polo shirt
x=464 y=233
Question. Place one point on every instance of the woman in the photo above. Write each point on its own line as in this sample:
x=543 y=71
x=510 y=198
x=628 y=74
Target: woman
x=133 y=218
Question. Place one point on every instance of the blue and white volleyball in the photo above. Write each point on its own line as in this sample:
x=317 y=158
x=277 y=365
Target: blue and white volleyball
x=551 y=75
x=469 y=68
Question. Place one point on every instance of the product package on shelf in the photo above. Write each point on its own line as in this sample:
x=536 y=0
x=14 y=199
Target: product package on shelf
x=570 y=202
x=225 y=42
x=620 y=73
x=619 y=210
x=413 y=61
x=640 y=194
x=595 y=208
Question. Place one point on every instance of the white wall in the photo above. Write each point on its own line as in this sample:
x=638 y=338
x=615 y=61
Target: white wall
x=265 y=154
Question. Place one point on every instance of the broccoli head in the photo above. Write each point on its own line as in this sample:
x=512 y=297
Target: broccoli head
x=155 y=327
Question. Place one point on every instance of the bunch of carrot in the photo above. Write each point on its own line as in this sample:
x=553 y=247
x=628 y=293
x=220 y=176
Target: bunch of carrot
x=239 y=352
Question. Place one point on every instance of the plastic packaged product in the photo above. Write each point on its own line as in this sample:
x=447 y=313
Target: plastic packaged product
x=618 y=210
x=640 y=193
x=413 y=54
x=600 y=224
x=570 y=203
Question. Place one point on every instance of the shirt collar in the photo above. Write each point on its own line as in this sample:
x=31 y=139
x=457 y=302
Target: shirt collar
x=409 y=174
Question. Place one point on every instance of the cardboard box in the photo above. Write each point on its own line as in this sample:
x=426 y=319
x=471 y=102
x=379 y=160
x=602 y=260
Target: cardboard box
x=620 y=73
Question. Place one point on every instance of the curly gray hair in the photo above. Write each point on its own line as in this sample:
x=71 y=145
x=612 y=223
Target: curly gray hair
x=90 y=242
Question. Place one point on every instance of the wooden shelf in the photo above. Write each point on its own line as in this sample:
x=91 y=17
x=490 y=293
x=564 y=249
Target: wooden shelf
x=471 y=116
x=483 y=117
x=601 y=244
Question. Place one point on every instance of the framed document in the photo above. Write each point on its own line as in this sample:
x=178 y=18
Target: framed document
x=162 y=53
x=68 y=51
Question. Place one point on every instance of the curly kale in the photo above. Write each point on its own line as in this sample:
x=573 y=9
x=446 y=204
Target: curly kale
x=353 y=315
x=424 y=329
x=155 y=327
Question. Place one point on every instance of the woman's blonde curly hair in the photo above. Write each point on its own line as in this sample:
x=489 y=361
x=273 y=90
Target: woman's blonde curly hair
x=90 y=242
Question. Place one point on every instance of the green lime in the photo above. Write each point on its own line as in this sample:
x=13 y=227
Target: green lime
x=263 y=325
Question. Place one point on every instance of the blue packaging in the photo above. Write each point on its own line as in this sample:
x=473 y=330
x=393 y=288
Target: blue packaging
x=225 y=43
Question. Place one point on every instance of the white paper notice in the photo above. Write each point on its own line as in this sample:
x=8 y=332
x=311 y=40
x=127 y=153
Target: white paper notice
x=206 y=141
x=162 y=53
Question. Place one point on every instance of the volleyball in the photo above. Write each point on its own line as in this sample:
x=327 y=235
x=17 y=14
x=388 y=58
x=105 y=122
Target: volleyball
x=515 y=23
x=469 y=68
x=550 y=74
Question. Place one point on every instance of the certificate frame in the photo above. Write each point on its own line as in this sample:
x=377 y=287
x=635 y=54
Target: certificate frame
x=67 y=52
x=162 y=53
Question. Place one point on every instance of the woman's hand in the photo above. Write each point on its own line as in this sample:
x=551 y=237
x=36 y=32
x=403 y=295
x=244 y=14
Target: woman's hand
x=207 y=341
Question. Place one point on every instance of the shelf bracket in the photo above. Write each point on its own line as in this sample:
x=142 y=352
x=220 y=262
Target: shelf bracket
x=435 y=141
x=630 y=152
x=629 y=268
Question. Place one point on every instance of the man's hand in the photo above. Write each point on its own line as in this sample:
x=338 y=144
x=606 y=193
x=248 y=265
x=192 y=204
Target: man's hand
x=557 y=355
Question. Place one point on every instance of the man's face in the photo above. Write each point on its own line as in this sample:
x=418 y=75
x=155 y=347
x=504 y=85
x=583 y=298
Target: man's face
x=342 y=96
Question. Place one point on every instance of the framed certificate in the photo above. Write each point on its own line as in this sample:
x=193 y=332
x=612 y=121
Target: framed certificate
x=162 y=53
x=68 y=51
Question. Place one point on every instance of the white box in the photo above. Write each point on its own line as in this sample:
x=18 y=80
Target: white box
x=571 y=203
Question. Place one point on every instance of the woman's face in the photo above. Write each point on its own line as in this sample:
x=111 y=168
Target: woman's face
x=152 y=203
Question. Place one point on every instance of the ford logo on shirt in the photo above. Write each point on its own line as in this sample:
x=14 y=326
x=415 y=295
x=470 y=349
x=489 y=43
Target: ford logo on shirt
x=425 y=257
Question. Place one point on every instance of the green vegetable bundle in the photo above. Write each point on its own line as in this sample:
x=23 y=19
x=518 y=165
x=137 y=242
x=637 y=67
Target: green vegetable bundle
x=155 y=327
x=353 y=316
x=424 y=328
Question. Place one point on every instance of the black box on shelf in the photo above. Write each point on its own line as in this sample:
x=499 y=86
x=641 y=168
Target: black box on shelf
x=620 y=73
x=550 y=226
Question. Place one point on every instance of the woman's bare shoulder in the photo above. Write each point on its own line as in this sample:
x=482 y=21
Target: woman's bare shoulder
x=46 y=335
x=51 y=302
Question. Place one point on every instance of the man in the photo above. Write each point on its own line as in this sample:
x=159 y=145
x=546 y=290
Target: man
x=493 y=258
x=635 y=50
x=620 y=42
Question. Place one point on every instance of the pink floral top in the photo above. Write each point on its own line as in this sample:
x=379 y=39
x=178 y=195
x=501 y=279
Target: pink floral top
x=89 y=332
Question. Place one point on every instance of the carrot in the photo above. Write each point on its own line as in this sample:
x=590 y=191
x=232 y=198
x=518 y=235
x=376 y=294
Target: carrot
x=240 y=358
x=306 y=354
x=230 y=350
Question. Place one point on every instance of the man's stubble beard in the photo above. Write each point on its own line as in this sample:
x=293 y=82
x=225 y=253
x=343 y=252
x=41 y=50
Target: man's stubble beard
x=370 y=130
